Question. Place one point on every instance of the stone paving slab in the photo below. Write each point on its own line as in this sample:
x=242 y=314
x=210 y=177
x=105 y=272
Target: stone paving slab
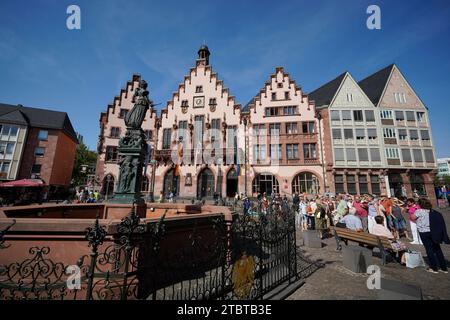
x=333 y=281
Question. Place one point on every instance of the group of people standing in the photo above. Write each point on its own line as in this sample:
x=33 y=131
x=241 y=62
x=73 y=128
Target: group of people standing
x=383 y=216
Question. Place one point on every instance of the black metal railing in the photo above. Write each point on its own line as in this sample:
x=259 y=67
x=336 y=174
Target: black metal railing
x=243 y=259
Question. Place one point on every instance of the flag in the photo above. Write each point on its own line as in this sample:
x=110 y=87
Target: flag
x=238 y=160
x=179 y=157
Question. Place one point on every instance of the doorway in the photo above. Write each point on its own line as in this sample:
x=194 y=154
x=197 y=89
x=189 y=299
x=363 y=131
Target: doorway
x=232 y=183
x=205 y=184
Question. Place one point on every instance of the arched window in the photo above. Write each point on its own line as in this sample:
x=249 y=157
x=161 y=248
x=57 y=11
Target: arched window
x=205 y=184
x=267 y=183
x=305 y=182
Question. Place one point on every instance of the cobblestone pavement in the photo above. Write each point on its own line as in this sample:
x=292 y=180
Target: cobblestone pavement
x=333 y=281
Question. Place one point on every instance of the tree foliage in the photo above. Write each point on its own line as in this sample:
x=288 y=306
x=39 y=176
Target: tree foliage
x=83 y=156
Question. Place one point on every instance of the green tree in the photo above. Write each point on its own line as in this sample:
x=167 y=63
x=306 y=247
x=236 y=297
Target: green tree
x=83 y=157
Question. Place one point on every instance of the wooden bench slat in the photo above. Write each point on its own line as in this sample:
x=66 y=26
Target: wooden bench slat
x=361 y=237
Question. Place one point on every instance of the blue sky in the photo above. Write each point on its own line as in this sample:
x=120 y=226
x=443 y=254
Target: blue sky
x=44 y=64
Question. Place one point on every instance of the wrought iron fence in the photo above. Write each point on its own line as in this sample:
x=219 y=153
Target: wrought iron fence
x=245 y=259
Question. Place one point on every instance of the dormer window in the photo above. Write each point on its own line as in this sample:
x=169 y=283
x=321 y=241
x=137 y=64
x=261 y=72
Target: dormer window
x=198 y=89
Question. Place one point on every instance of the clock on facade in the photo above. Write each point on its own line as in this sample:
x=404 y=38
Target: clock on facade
x=199 y=102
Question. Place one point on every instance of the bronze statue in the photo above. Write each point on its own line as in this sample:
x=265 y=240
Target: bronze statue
x=136 y=115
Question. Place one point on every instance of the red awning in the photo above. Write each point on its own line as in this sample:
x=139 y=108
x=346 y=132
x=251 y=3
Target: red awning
x=23 y=183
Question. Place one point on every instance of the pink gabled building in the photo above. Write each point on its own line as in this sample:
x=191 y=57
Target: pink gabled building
x=284 y=152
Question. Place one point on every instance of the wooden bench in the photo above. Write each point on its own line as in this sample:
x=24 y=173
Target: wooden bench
x=363 y=238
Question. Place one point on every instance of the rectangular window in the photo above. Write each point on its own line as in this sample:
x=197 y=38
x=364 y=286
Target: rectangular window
x=363 y=187
x=198 y=89
x=308 y=127
x=424 y=134
x=259 y=152
x=386 y=114
x=212 y=102
x=372 y=134
x=413 y=135
x=275 y=129
x=215 y=129
x=148 y=134
x=39 y=152
x=363 y=155
x=339 y=154
x=232 y=137
x=410 y=116
x=392 y=153
x=337 y=134
x=348 y=133
x=36 y=169
x=290 y=110
x=429 y=157
x=123 y=113
x=360 y=134
x=375 y=154
x=272 y=111
x=43 y=135
x=417 y=153
x=370 y=116
x=351 y=184
x=259 y=130
x=274 y=96
x=402 y=134
x=309 y=151
x=167 y=136
x=115 y=132
x=286 y=95
x=389 y=132
x=399 y=116
x=275 y=151
x=421 y=116
x=184 y=103
x=4 y=168
x=349 y=97
x=199 y=127
x=346 y=115
x=375 y=184
x=292 y=151
x=339 y=183
x=351 y=154
x=335 y=116
x=406 y=155
x=358 y=115
x=182 y=130
x=111 y=153
x=291 y=128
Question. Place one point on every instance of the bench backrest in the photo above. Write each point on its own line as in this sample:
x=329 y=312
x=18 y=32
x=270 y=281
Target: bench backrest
x=361 y=237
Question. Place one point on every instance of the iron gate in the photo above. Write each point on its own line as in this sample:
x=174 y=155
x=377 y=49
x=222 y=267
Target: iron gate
x=245 y=259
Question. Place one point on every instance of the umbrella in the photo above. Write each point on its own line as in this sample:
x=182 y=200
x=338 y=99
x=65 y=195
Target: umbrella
x=23 y=183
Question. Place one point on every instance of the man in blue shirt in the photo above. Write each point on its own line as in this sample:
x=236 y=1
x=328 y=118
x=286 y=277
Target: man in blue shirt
x=351 y=221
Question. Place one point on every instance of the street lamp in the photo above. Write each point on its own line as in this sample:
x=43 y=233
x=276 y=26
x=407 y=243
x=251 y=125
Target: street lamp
x=245 y=155
x=319 y=117
x=108 y=181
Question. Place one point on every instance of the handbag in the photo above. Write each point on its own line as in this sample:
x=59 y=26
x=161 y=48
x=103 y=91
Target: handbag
x=414 y=259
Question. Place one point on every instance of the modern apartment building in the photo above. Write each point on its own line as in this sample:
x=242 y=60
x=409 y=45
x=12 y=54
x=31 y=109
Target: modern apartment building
x=36 y=143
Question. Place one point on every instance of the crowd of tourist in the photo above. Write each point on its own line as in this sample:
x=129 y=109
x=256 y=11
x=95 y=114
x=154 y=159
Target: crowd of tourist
x=381 y=216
